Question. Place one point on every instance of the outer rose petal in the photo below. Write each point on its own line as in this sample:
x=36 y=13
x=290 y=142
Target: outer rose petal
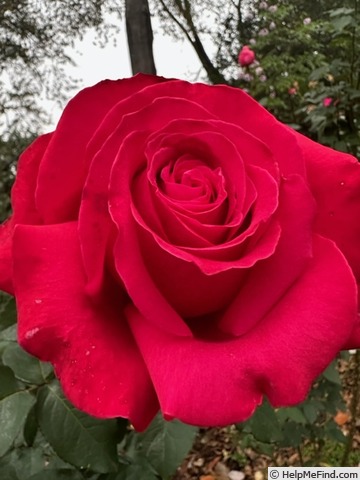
x=335 y=182
x=90 y=345
x=23 y=204
x=223 y=382
x=63 y=170
x=334 y=179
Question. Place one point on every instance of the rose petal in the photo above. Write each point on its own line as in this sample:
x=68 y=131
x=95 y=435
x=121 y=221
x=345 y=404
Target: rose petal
x=64 y=162
x=90 y=345
x=289 y=260
x=93 y=223
x=147 y=264
x=23 y=204
x=223 y=382
x=241 y=111
x=334 y=179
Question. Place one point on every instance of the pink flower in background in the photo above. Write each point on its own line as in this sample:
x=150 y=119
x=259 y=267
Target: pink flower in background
x=263 y=32
x=292 y=91
x=273 y=8
x=327 y=101
x=246 y=56
x=307 y=21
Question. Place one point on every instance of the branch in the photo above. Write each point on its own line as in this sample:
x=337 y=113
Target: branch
x=213 y=73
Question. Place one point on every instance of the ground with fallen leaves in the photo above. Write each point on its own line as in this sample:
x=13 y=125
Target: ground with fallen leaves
x=217 y=453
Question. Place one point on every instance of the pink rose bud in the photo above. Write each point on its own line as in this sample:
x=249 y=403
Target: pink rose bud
x=327 y=101
x=246 y=56
x=292 y=91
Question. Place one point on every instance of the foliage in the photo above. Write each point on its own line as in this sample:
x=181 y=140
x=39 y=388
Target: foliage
x=9 y=152
x=34 y=37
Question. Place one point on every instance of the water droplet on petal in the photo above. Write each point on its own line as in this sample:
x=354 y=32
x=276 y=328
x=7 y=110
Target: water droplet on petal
x=342 y=184
x=87 y=352
x=30 y=333
x=38 y=301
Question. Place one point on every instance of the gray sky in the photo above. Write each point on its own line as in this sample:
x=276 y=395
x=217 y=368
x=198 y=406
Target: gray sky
x=172 y=59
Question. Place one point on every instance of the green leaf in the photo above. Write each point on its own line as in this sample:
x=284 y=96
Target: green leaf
x=333 y=431
x=8 y=384
x=26 y=367
x=28 y=461
x=63 y=474
x=293 y=434
x=13 y=412
x=7 y=312
x=136 y=471
x=264 y=424
x=79 y=439
x=332 y=374
x=319 y=73
x=291 y=413
x=9 y=334
x=340 y=23
x=30 y=428
x=311 y=412
x=8 y=472
x=165 y=444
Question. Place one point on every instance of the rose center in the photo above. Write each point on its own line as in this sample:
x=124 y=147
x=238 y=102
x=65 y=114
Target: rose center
x=191 y=180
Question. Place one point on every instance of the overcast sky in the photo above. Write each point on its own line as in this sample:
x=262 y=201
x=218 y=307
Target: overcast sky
x=172 y=59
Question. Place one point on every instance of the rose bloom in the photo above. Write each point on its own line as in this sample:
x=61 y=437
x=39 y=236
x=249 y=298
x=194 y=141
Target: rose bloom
x=327 y=101
x=174 y=247
x=246 y=56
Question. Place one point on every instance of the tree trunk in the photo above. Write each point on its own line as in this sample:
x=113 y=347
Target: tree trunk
x=140 y=36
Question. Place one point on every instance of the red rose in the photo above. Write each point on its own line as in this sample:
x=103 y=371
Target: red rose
x=174 y=246
x=246 y=56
